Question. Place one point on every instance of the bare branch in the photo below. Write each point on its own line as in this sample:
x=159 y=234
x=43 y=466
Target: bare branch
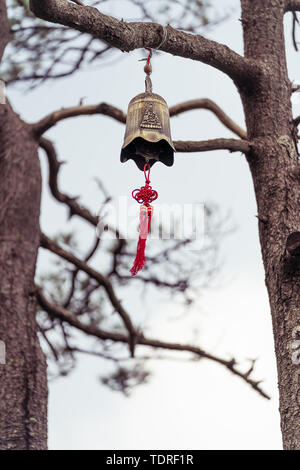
x=100 y=278
x=50 y=74
x=99 y=354
x=180 y=285
x=292 y=5
x=129 y=36
x=54 y=166
x=57 y=311
x=53 y=118
x=294 y=24
x=205 y=103
x=49 y=51
x=75 y=272
x=50 y=345
x=233 y=145
x=64 y=315
x=297 y=120
x=295 y=87
x=71 y=202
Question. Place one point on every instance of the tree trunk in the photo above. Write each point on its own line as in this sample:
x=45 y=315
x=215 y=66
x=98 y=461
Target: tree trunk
x=23 y=381
x=275 y=169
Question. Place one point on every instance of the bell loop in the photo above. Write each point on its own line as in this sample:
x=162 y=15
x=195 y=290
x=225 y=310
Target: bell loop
x=147 y=168
x=148 y=84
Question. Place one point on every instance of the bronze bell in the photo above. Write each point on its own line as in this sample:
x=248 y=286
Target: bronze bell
x=148 y=136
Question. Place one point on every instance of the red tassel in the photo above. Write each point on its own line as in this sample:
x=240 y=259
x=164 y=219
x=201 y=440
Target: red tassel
x=145 y=220
x=145 y=195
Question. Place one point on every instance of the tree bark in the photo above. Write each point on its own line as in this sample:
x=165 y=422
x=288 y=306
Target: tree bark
x=23 y=381
x=4 y=27
x=274 y=165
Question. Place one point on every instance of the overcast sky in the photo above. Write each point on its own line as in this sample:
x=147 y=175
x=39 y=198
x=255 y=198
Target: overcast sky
x=186 y=405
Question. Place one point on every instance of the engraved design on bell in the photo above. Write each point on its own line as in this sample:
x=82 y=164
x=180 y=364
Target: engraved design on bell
x=150 y=119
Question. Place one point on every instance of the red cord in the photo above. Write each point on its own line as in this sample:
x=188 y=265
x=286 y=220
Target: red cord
x=149 y=56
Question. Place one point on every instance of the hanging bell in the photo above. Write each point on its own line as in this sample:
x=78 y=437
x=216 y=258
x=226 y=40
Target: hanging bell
x=148 y=136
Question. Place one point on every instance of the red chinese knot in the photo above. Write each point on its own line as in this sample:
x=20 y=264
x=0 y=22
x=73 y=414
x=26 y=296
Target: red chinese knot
x=145 y=195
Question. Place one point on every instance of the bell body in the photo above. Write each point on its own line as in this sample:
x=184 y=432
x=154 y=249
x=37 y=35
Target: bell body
x=147 y=136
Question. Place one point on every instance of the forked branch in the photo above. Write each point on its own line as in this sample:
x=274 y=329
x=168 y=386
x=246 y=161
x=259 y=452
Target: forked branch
x=103 y=281
x=54 y=166
x=57 y=311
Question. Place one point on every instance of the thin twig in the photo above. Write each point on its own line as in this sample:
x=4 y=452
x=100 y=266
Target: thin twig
x=295 y=22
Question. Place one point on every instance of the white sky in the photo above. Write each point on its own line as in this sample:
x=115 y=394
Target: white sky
x=186 y=405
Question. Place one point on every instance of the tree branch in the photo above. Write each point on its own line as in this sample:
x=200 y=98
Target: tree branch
x=50 y=245
x=233 y=145
x=109 y=110
x=295 y=21
x=64 y=315
x=54 y=166
x=103 y=108
x=292 y=5
x=205 y=103
x=75 y=272
x=129 y=36
x=74 y=207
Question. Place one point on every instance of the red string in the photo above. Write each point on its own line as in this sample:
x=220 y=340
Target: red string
x=149 y=56
x=147 y=176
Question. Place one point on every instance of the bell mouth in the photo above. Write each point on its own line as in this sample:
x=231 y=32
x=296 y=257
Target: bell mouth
x=147 y=135
x=142 y=151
